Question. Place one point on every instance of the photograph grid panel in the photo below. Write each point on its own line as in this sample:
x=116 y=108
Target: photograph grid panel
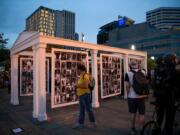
x=26 y=76
x=65 y=75
x=111 y=75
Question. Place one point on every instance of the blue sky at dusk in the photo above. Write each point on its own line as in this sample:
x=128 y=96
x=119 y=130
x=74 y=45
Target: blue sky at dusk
x=90 y=14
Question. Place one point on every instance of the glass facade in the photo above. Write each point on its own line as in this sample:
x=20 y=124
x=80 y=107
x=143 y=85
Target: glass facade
x=164 y=18
x=145 y=38
x=47 y=21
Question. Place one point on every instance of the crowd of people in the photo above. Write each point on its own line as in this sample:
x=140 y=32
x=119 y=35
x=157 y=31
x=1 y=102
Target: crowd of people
x=165 y=83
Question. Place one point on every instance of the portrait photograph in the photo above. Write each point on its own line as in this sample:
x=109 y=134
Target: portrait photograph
x=74 y=56
x=57 y=64
x=63 y=56
x=57 y=55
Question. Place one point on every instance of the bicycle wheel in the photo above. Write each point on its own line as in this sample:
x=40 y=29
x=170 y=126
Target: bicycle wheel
x=150 y=128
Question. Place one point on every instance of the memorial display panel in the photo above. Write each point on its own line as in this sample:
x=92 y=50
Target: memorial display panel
x=111 y=74
x=26 y=76
x=65 y=75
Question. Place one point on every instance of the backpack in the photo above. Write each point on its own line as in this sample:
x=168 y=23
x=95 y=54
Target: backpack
x=140 y=83
x=92 y=83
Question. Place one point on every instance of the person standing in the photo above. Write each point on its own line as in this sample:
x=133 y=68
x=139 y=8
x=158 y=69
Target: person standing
x=166 y=92
x=83 y=91
x=135 y=102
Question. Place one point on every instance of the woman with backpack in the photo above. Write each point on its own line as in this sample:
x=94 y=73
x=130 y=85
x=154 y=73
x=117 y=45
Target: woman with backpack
x=83 y=91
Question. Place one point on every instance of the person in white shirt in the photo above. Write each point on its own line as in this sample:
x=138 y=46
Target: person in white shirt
x=136 y=103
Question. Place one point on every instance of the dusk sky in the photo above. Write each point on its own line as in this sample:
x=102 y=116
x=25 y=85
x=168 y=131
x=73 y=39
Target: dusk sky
x=90 y=14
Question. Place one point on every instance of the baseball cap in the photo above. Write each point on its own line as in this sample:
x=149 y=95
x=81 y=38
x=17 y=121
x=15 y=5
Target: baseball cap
x=133 y=64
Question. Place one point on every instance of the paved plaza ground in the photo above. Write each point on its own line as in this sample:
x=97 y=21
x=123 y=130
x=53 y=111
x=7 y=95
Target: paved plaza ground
x=112 y=118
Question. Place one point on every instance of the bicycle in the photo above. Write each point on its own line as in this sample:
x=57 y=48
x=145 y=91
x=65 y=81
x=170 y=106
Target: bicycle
x=152 y=127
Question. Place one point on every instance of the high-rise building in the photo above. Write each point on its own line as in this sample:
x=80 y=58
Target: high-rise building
x=42 y=20
x=52 y=23
x=143 y=36
x=65 y=24
x=146 y=37
x=103 y=34
x=164 y=18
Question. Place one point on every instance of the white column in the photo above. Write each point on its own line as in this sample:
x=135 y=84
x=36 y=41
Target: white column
x=145 y=63
x=94 y=67
x=39 y=94
x=126 y=68
x=35 y=82
x=14 y=80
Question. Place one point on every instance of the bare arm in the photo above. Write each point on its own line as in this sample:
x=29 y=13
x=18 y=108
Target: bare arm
x=128 y=85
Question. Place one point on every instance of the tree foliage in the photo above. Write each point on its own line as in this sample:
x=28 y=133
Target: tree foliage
x=3 y=41
x=151 y=64
x=4 y=52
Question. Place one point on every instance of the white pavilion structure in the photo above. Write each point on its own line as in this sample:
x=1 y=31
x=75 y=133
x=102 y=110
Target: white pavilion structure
x=41 y=64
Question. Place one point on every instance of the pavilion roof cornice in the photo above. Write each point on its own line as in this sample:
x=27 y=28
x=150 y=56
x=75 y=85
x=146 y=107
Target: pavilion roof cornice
x=39 y=38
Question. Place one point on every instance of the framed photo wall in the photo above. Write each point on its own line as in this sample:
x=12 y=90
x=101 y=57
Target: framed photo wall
x=111 y=74
x=26 y=76
x=65 y=75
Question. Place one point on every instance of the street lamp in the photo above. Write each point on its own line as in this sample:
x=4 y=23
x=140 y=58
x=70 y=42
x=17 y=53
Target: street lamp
x=152 y=57
x=133 y=47
x=83 y=37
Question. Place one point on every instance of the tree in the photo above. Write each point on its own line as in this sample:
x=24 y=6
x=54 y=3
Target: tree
x=151 y=64
x=3 y=41
x=4 y=52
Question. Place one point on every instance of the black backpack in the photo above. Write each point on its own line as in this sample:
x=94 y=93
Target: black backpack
x=92 y=83
x=140 y=83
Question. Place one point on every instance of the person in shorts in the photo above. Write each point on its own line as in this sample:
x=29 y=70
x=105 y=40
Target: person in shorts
x=136 y=103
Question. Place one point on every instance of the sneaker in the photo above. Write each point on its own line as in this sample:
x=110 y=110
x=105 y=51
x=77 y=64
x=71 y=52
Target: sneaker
x=77 y=126
x=92 y=125
x=133 y=131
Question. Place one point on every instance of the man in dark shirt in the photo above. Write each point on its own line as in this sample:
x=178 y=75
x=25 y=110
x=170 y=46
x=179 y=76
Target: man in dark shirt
x=165 y=92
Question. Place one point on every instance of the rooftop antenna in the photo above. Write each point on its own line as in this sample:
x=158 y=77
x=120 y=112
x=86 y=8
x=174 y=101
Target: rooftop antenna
x=82 y=37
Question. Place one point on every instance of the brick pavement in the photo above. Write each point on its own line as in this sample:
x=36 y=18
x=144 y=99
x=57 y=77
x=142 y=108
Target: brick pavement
x=112 y=118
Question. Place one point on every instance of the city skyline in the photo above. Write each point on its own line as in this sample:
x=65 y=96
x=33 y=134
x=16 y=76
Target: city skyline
x=90 y=14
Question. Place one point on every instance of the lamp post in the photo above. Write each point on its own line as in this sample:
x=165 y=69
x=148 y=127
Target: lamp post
x=82 y=37
x=152 y=57
x=133 y=47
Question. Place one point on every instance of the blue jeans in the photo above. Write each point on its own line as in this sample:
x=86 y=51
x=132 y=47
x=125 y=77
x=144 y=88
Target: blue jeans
x=84 y=103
